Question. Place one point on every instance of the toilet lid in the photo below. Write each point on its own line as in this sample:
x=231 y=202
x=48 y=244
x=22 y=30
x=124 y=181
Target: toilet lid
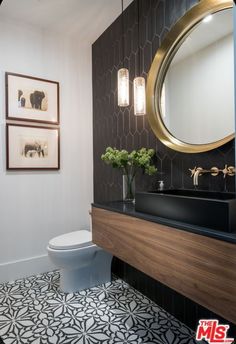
x=71 y=240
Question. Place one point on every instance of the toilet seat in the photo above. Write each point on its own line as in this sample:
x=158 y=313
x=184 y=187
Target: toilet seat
x=71 y=240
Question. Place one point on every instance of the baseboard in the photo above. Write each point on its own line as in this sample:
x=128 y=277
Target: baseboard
x=11 y=271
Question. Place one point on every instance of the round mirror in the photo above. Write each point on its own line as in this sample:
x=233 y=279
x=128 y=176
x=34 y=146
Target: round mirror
x=190 y=89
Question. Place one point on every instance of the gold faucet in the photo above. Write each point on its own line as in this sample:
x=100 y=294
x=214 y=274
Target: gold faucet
x=214 y=171
x=228 y=171
x=199 y=171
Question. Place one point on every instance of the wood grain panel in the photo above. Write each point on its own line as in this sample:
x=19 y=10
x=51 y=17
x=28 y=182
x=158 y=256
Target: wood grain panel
x=199 y=267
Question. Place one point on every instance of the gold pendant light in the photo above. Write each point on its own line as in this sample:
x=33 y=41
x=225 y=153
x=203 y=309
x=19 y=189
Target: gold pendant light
x=139 y=96
x=123 y=87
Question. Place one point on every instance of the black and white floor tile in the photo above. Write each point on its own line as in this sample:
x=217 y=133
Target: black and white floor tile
x=33 y=310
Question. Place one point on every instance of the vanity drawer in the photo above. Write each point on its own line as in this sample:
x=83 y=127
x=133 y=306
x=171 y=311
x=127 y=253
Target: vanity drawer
x=199 y=267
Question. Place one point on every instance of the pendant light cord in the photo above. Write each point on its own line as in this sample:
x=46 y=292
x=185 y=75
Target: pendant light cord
x=139 y=55
x=123 y=39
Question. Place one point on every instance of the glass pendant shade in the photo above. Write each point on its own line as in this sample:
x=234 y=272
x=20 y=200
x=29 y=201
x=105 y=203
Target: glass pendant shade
x=139 y=96
x=123 y=87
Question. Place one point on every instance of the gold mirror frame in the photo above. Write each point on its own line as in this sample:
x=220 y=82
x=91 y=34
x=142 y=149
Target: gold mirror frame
x=159 y=68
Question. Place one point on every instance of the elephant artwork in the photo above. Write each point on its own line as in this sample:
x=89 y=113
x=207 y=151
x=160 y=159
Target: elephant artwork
x=32 y=149
x=21 y=99
x=20 y=93
x=31 y=98
x=36 y=99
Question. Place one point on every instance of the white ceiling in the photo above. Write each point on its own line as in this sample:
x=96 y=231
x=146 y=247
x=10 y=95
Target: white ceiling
x=86 y=19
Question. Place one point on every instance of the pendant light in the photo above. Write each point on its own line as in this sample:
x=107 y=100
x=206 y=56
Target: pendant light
x=139 y=85
x=123 y=73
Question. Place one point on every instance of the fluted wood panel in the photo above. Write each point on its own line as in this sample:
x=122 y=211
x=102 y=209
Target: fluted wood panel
x=201 y=268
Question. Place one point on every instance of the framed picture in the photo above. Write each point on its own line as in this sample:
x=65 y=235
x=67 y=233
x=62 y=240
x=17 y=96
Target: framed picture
x=32 y=148
x=31 y=99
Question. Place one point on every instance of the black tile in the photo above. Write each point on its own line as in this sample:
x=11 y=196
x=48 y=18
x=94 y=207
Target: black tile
x=160 y=17
x=147 y=55
x=191 y=313
x=191 y=3
x=170 y=13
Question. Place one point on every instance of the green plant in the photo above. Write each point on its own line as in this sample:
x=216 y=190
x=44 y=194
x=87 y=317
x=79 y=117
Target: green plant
x=129 y=163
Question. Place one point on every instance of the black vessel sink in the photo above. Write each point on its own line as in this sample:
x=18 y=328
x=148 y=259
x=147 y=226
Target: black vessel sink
x=216 y=210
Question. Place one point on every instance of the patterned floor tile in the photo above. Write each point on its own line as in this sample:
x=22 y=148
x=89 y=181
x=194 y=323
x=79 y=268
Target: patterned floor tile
x=34 y=311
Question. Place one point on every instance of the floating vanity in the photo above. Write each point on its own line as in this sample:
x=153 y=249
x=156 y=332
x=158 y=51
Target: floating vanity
x=198 y=262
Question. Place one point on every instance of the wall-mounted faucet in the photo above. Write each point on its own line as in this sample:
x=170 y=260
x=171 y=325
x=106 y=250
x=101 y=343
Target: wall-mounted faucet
x=196 y=172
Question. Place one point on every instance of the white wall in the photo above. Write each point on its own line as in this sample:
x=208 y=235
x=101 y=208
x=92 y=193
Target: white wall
x=36 y=206
x=201 y=94
x=234 y=12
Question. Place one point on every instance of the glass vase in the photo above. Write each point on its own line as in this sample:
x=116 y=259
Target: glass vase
x=128 y=187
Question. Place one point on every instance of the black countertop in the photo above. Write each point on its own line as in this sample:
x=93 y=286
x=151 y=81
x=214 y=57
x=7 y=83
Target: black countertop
x=128 y=208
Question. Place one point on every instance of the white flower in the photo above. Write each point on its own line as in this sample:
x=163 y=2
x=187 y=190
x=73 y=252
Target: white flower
x=125 y=338
x=88 y=332
x=10 y=293
x=15 y=320
x=64 y=303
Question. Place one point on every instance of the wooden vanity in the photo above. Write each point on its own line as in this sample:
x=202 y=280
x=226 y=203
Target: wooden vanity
x=199 y=267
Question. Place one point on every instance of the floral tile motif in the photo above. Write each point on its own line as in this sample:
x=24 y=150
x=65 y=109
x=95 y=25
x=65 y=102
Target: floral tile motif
x=34 y=310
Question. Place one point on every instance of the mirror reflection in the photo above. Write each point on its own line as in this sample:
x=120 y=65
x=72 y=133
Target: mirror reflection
x=197 y=102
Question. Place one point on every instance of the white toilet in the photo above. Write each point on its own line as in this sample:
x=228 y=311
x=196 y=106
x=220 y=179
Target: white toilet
x=82 y=264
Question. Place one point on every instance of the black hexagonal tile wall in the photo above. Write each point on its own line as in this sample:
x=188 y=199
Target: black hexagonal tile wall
x=118 y=126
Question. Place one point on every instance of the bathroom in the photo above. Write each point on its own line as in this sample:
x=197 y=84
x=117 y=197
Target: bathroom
x=83 y=55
